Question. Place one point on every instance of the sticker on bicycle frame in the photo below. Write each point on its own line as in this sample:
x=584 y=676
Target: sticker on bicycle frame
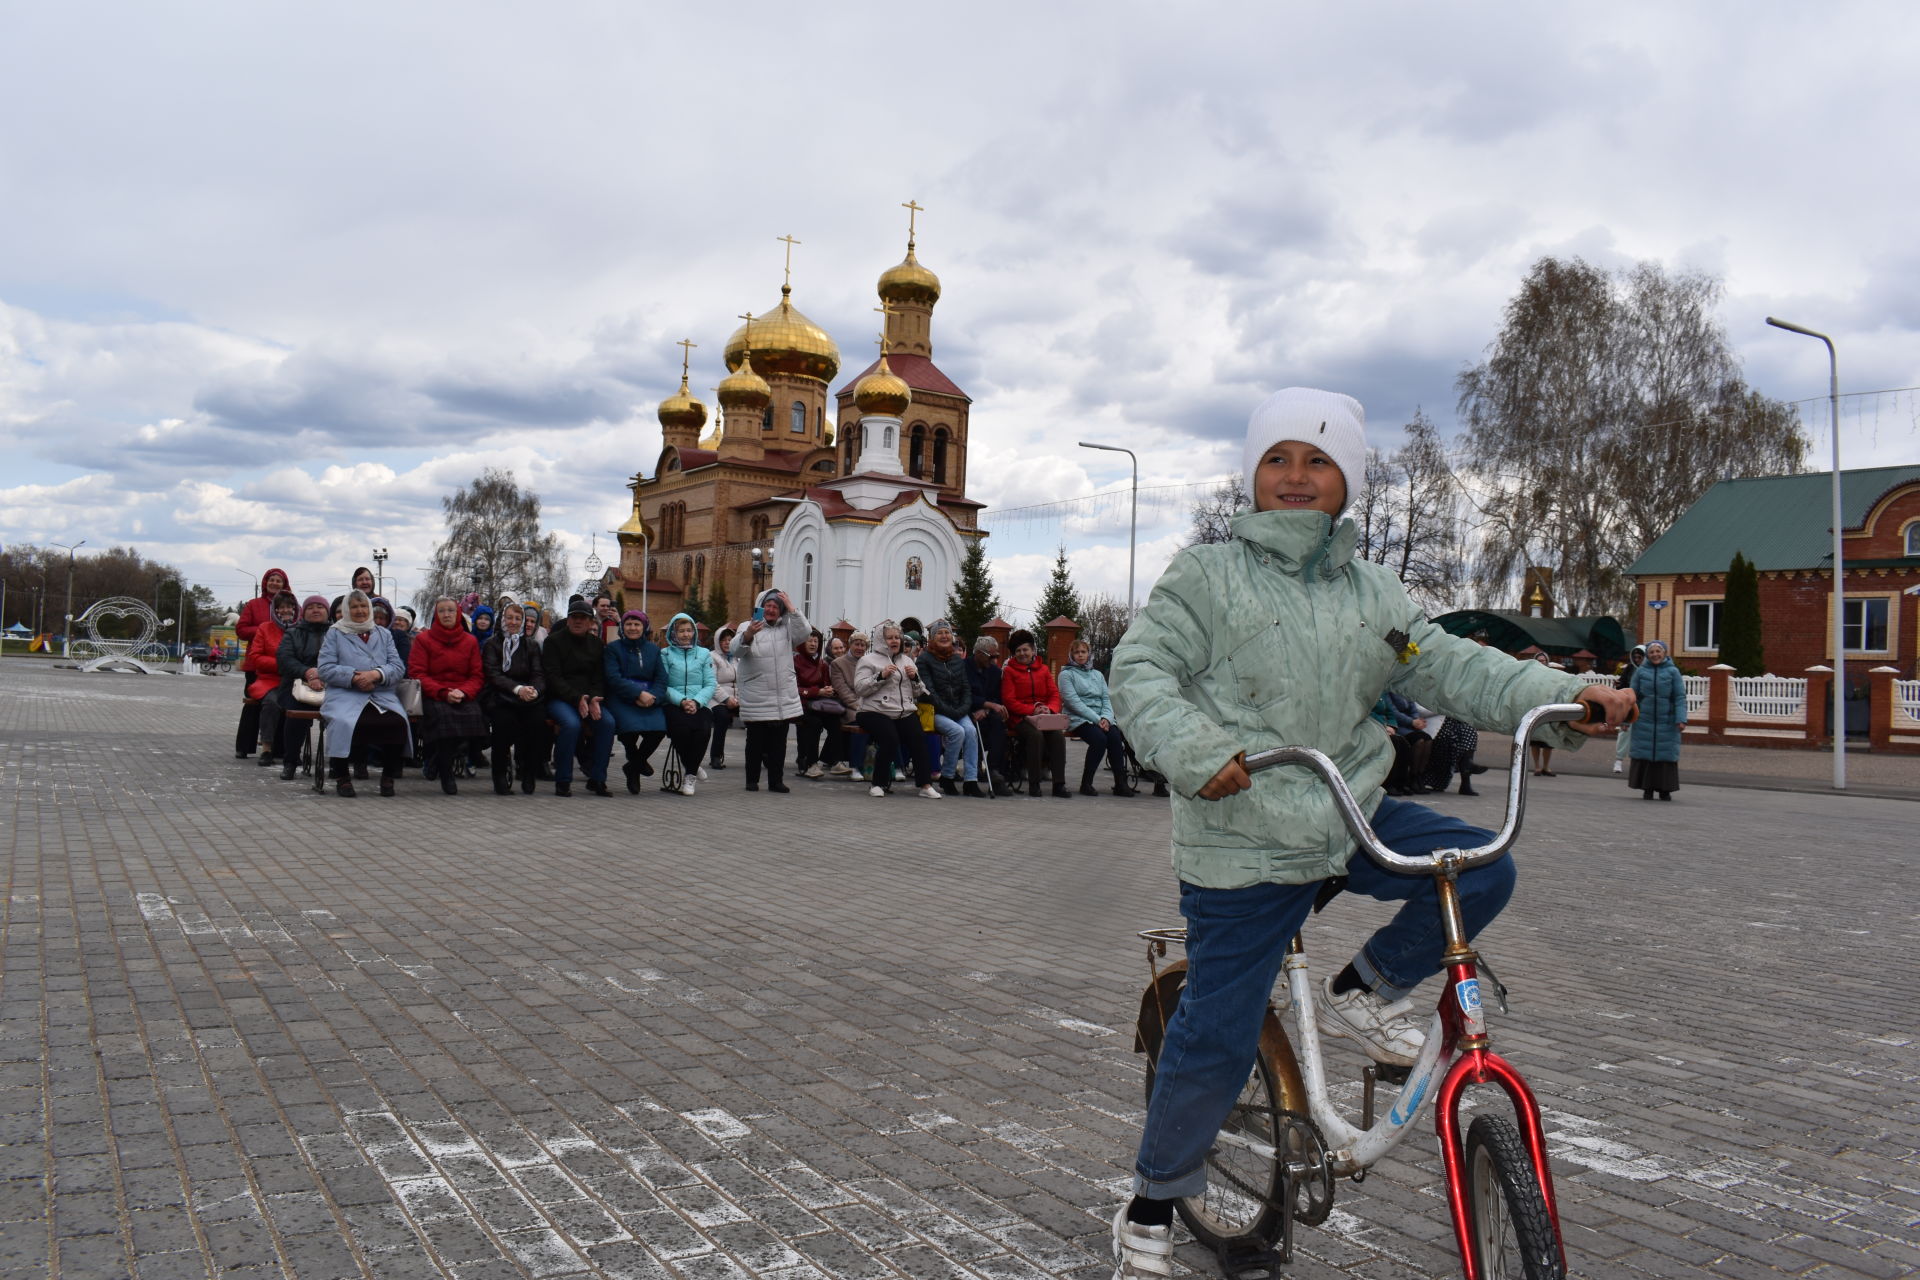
x=1467 y=992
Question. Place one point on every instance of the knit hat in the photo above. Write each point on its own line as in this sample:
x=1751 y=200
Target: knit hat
x=311 y=601
x=1017 y=639
x=1330 y=422
x=636 y=613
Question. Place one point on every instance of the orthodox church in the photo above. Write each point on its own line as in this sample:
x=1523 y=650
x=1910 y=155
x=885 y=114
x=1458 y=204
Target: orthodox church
x=861 y=518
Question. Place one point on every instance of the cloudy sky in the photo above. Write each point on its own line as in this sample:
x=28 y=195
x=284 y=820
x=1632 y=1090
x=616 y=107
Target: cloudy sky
x=273 y=279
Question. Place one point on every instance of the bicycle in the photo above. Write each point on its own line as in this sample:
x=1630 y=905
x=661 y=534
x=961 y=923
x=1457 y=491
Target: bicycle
x=1284 y=1143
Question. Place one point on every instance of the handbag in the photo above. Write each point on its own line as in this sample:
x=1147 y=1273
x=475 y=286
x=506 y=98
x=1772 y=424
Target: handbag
x=306 y=696
x=408 y=691
x=1048 y=722
x=827 y=706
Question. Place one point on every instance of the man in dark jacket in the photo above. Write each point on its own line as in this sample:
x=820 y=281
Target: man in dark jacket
x=573 y=659
x=944 y=670
x=514 y=694
x=988 y=712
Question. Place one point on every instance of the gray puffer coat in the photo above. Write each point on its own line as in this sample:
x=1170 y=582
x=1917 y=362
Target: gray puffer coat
x=769 y=688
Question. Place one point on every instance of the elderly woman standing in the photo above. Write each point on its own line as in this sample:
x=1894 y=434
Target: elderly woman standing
x=1662 y=694
x=446 y=662
x=769 y=688
x=360 y=667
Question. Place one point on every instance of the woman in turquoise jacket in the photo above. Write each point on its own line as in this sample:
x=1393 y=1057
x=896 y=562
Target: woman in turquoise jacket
x=1661 y=692
x=687 y=669
x=1089 y=708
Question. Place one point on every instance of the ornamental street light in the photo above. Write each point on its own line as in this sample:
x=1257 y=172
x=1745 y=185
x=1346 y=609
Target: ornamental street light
x=1839 y=567
x=380 y=571
x=66 y=641
x=1133 y=520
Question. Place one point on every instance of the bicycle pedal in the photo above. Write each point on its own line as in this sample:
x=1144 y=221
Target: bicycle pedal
x=1391 y=1074
x=1250 y=1259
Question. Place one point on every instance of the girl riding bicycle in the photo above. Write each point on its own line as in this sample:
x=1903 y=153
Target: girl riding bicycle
x=1282 y=637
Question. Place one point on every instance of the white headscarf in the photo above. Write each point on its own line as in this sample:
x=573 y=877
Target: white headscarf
x=346 y=622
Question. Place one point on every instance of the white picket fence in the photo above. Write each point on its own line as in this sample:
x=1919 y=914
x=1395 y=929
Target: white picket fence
x=1906 y=699
x=1697 y=695
x=1770 y=697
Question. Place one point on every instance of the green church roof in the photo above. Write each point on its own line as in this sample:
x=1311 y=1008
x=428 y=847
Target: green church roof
x=1778 y=522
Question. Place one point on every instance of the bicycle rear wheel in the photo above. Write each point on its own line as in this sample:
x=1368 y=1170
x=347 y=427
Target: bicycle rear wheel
x=1513 y=1233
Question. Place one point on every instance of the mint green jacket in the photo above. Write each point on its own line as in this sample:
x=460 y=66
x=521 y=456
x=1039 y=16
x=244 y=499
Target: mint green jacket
x=1280 y=637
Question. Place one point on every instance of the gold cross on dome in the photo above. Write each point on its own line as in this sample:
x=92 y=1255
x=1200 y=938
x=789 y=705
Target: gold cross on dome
x=747 y=336
x=789 y=241
x=886 y=312
x=686 y=346
x=913 y=209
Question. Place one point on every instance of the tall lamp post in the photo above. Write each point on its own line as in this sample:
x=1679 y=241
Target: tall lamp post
x=379 y=571
x=1133 y=520
x=1839 y=565
x=66 y=643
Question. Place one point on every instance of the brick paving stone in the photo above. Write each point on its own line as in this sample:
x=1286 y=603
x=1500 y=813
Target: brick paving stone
x=649 y=1039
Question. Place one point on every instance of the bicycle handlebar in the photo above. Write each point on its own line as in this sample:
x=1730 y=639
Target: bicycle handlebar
x=1459 y=859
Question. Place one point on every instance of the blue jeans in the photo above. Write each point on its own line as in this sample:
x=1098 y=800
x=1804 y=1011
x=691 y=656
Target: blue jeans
x=1236 y=939
x=960 y=745
x=566 y=737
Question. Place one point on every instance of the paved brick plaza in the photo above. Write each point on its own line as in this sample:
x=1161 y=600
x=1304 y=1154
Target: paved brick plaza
x=249 y=1031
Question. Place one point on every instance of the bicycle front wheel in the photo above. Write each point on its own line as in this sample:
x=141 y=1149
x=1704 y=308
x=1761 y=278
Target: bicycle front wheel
x=1245 y=1196
x=1513 y=1233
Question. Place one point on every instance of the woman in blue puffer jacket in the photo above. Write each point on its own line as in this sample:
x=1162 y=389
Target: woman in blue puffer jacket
x=635 y=690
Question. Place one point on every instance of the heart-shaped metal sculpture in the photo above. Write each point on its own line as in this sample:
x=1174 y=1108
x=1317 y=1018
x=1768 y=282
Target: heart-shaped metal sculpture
x=117 y=651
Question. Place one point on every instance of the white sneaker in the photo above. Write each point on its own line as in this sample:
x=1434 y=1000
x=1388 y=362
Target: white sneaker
x=1140 y=1253
x=841 y=770
x=1385 y=1031
x=703 y=773
x=1618 y=767
x=686 y=788
x=876 y=793
x=932 y=793
x=814 y=771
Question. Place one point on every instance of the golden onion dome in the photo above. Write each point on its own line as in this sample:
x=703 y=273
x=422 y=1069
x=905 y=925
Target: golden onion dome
x=680 y=410
x=910 y=282
x=635 y=527
x=882 y=392
x=786 y=343
x=743 y=388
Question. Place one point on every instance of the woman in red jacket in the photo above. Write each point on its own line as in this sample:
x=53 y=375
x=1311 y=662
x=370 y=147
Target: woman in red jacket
x=262 y=665
x=446 y=662
x=821 y=712
x=253 y=615
x=1028 y=690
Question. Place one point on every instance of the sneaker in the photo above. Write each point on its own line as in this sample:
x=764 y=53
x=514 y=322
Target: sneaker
x=1139 y=1252
x=876 y=792
x=841 y=770
x=702 y=770
x=1619 y=767
x=686 y=788
x=814 y=771
x=931 y=792
x=1385 y=1031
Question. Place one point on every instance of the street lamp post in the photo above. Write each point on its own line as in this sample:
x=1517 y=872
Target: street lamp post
x=380 y=571
x=1133 y=520
x=1839 y=565
x=66 y=643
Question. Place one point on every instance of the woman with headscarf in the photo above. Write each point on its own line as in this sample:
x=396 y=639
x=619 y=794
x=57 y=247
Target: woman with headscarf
x=1662 y=694
x=446 y=662
x=687 y=671
x=726 y=701
x=514 y=698
x=362 y=580
x=360 y=667
x=256 y=613
x=635 y=689
x=769 y=690
x=886 y=681
x=262 y=665
x=299 y=660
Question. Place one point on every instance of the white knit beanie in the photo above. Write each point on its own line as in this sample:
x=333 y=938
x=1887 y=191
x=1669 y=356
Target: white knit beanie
x=1330 y=422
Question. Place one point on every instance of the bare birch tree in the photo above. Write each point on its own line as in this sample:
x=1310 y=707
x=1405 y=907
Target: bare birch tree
x=494 y=543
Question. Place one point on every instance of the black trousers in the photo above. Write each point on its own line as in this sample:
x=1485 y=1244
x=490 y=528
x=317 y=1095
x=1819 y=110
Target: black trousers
x=766 y=748
x=1034 y=744
x=722 y=720
x=1109 y=742
x=993 y=744
x=376 y=727
x=690 y=731
x=889 y=736
x=814 y=725
x=519 y=734
x=247 y=736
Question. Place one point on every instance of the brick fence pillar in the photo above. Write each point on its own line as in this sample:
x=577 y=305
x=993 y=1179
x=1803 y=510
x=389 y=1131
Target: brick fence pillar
x=842 y=629
x=1060 y=636
x=1719 y=700
x=999 y=629
x=1880 y=702
x=1819 y=695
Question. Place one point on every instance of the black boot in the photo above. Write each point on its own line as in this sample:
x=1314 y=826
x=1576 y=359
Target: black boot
x=502 y=783
x=343 y=782
x=973 y=789
x=1466 y=786
x=388 y=775
x=288 y=767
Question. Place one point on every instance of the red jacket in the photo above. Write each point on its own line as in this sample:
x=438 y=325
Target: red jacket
x=445 y=659
x=1026 y=690
x=816 y=679
x=263 y=659
x=260 y=608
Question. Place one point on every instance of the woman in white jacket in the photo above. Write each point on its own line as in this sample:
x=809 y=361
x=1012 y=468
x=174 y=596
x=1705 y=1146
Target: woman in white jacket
x=886 y=682
x=767 y=685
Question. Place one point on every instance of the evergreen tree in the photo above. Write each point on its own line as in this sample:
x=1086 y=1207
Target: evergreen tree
x=1059 y=600
x=972 y=604
x=714 y=612
x=1740 y=644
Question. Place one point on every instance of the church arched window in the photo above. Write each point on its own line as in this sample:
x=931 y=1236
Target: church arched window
x=686 y=571
x=797 y=418
x=917 y=451
x=940 y=456
x=700 y=567
x=806 y=585
x=916 y=573
x=820 y=420
x=766 y=418
x=886 y=438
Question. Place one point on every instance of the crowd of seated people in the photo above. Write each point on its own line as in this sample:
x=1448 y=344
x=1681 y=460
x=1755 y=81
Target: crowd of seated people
x=488 y=690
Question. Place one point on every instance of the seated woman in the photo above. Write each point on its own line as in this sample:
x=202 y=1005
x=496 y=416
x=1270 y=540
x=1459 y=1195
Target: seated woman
x=889 y=714
x=257 y=613
x=1083 y=692
x=360 y=667
x=514 y=694
x=726 y=701
x=687 y=670
x=821 y=712
x=446 y=662
x=262 y=665
x=299 y=660
x=943 y=670
x=841 y=669
x=634 y=690
x=1027 y=690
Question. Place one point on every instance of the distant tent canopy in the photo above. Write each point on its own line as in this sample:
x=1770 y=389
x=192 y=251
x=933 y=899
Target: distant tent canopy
x=19 y=629
x=1512 y=632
